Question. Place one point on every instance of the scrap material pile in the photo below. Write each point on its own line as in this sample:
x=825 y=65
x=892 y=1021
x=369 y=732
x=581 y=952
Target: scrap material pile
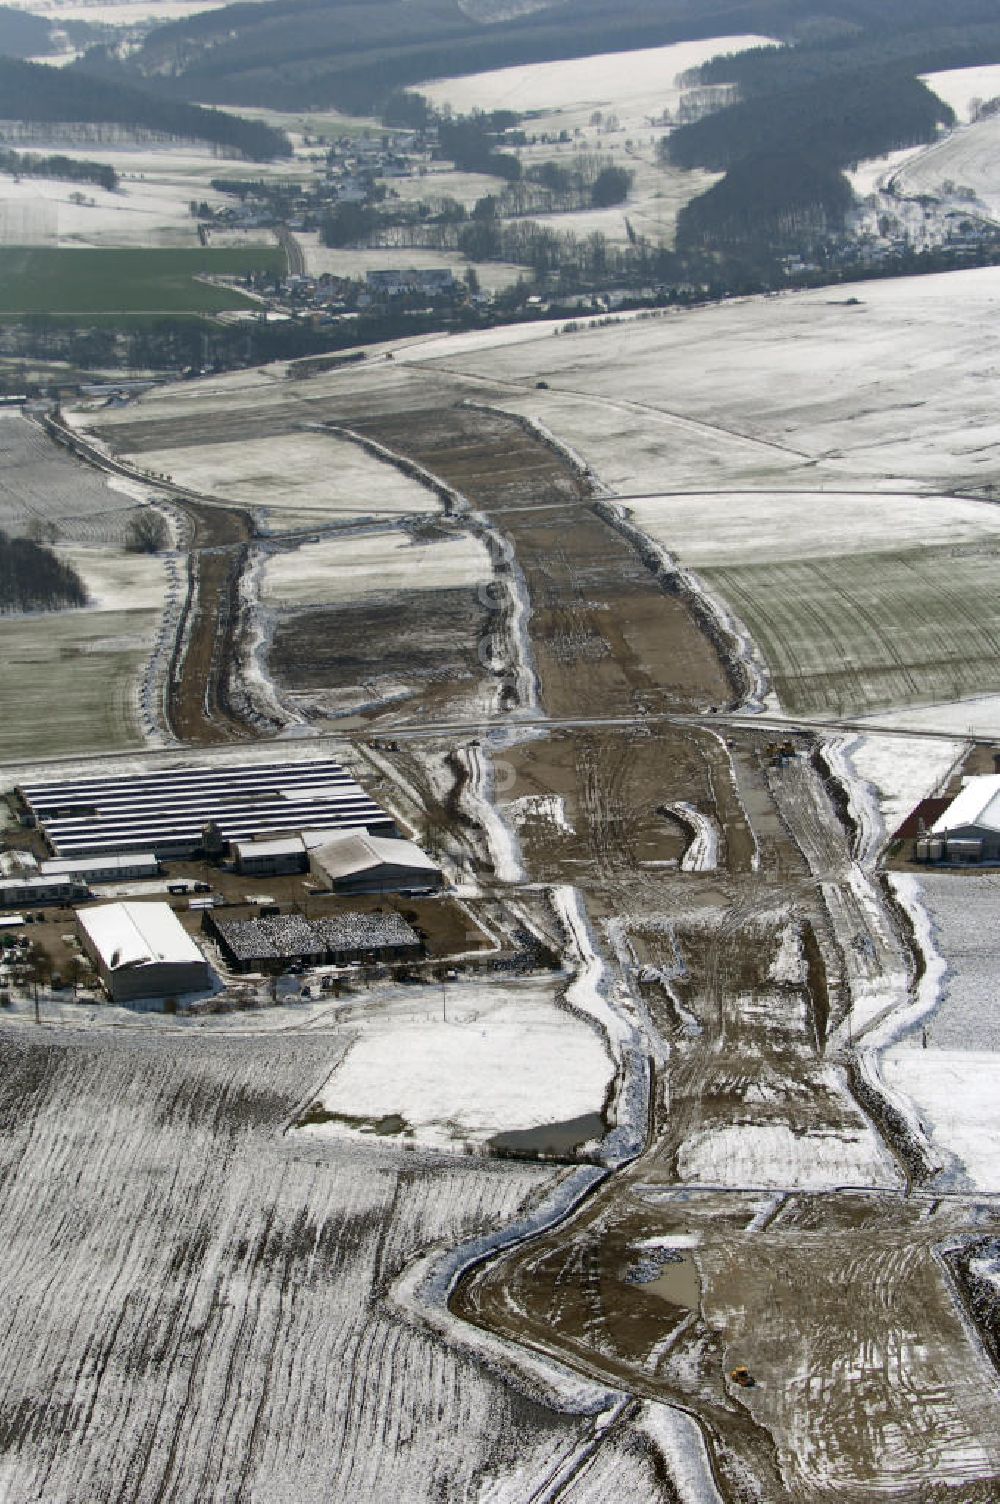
x=348 y=935
x=274 y=940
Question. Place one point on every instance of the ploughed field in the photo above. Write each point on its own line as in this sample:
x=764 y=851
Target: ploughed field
x=196 y=1301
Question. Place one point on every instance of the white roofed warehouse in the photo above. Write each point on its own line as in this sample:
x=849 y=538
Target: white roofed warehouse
x=357 y=862
x=142 y=950
x=969 y=829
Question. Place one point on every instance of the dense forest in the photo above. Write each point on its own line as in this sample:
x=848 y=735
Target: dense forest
x=33 y=579
x=22 y=34
x=66 y=169
x=780 y=199
x=846 y=90
x=355 y=53
x=835 y=120
x=34 y=92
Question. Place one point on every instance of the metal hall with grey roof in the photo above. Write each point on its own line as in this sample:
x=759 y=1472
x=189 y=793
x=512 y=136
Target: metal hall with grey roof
x=166 y=812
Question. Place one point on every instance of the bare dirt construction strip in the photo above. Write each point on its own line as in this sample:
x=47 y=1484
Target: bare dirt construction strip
x=198 y=703
x=862 y=1380
x=198 y=707
x=607 y=638
x=677 y=1272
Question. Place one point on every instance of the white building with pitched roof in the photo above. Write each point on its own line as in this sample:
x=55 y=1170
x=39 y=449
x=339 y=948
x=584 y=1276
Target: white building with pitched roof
x=969 y=829
x=142 y=950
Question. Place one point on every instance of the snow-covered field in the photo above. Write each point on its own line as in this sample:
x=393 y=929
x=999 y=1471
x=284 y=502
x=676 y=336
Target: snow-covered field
x=634 y=86
x=73 y=678
x=445 y=182
x=355 y=263
x=359 y=565
x=216 y=1322
x=72 y=681
x=963 y=909
x=962 y=87
x=40 y=485
x=978 y=715
x=116 y=12
x=119 y=581
x=805 y=391
x=956 y=1094
x=295 y=480
x=150 y=207
x=885 y=395
x=873 y=171
x=942 y=1065
x=867 y=631
x=842 y=592
x=777 y=1155
x=736 y=529
x=962 y=170
x=469 y=1062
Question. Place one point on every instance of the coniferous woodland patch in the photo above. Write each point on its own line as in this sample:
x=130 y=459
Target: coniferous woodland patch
x=34 y=92
x=33 y=579
x=27 y=164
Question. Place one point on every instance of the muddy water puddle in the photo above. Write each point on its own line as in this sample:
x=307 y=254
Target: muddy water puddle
x=679 y=1282
x=551 y=1138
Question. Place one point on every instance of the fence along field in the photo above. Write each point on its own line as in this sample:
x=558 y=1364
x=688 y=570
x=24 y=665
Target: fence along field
x=64 y=280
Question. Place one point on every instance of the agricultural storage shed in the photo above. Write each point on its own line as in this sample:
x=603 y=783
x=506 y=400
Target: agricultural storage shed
x=142 y=950
x=170 y=811
x=268 y=943
x=32 y=889
x=281 y=857
x=969 y=829
x=357 y=862
x=102 y=869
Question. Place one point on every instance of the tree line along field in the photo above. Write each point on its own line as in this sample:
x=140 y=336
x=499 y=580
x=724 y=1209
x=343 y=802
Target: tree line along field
x=41 y=280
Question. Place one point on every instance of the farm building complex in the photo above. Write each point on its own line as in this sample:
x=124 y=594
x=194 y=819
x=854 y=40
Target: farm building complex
x=26 y=880
x=969 y=829
x=142 y=950
x=169 y=814
x=270 y=942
